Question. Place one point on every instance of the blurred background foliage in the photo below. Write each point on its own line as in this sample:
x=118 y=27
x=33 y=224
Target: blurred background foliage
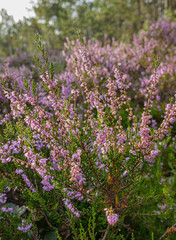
x=57 y=19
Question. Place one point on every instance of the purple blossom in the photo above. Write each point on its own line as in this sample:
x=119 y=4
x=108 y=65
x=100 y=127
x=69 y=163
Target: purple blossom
x=7 y=209
x=70 y=206
x=133 y=152
x=3 y=198
x=19 y=171
x=112 y=218
x=125 y=173
x=28 y=182
x=25 y=226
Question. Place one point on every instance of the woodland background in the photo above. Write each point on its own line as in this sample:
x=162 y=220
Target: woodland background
x=57 y=19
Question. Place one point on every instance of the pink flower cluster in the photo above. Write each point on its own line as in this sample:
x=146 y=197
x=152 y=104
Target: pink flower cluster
x=112 y=218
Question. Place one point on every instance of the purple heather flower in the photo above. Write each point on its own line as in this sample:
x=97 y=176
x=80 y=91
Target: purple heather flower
x=70 y=206
x=25 y=227
x=3 y=198
x=28 y=182
x=133 y=152
x=18 y=171
x=125 y=173
x=7 y=210
x=163 y=207
x=113 y=219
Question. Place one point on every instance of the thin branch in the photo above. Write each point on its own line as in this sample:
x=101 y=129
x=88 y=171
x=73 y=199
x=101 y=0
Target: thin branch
x=107 y=230
x=144 y=214
x=46 y=219
x=166 y=232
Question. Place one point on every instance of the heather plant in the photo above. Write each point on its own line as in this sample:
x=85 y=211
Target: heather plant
x=20 y=67
x=16 y=78
x=135 y=60
x=90 y=166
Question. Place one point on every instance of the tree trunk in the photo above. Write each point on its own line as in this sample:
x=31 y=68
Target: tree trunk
x=173 y=6
x=142 y=5
x=165 y=5
x=154 y=10
x=160 y=8
x=10 y=47
x=139 y=8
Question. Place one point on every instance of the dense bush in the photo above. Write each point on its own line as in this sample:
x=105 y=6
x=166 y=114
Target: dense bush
x=96 y=159
x=135 y=59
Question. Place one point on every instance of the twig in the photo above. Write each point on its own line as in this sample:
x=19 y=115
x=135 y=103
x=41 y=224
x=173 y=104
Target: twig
x=166 y=232
x=144 y=214
x=107 y=230
x=145 y=224
x=46 y=219
x=127 y=226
